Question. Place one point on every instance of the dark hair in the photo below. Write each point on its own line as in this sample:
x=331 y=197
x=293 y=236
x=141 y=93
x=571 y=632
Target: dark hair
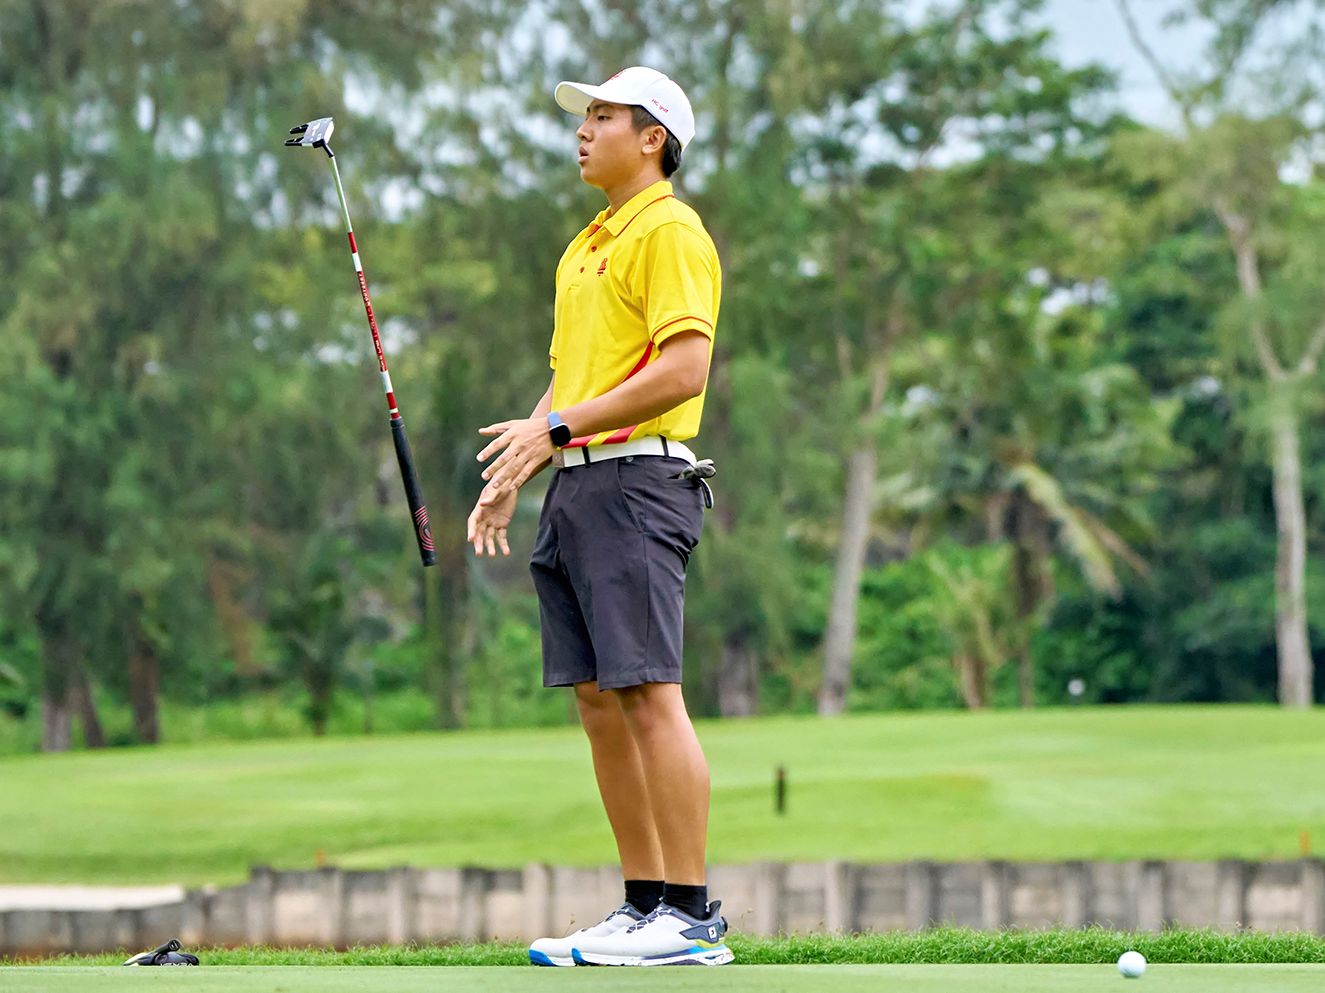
x=671 y=151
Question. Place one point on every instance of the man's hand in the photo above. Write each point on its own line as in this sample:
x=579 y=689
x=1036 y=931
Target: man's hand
x=488 y=521
x=527 y=445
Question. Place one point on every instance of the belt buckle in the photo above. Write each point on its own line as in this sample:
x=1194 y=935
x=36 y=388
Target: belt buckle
x=558 y=459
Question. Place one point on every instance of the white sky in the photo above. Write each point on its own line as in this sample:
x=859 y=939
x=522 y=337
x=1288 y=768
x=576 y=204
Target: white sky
x=1092 y=31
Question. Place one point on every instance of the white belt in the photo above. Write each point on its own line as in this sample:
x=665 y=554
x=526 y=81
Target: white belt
x=566 y=458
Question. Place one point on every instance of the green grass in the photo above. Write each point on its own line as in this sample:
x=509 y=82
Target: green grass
x=1091 y=783
x=752 y=979
x=940 y=946
x=946 y=960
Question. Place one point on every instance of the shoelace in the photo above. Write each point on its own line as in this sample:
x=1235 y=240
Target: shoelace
x=662 y=911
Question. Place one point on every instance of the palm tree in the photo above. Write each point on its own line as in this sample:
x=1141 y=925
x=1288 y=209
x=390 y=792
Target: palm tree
x=1053 y=450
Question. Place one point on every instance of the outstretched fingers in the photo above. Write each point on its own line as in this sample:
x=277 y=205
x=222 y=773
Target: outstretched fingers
x=504 y=430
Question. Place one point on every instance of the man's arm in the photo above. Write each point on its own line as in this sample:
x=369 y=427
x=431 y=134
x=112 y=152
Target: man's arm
x=544 y=406
x=541 y=410
x=677 y=375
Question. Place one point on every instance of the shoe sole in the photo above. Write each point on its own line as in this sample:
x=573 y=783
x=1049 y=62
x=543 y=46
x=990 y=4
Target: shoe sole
x=542 y=958
x=691 y=956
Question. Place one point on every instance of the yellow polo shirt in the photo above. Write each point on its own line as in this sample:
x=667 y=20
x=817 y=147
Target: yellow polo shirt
x=625 y=285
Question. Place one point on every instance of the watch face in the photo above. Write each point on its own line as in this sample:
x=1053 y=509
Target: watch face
x=560 y=435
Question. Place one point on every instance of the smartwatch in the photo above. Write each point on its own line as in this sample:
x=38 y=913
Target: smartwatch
x=557 y=430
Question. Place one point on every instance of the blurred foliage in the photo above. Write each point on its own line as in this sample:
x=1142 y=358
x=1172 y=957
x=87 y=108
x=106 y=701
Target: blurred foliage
x=937 y=243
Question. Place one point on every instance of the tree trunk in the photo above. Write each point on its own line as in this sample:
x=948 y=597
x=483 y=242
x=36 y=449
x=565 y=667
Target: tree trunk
x=93 y=736
x=445 y=590
x=58 y=653
x=1023 y=569
x=1290 y=599
x=971 y=669
x=144 y=690
x=1033 y=578
x=840 y=640
x=738 y=678
x=1290 y=607
x=56 y=723
x=319 y=681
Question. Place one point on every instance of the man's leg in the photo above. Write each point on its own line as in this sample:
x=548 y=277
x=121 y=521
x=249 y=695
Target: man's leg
x=686 y=929
x=675 y=773
x=621 y=783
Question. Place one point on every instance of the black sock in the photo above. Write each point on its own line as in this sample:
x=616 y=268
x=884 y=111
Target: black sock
x=644 y=894
x=692 y=900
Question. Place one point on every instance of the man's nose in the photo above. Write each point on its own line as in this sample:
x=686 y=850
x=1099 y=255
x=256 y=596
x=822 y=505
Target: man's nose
x=579 y=132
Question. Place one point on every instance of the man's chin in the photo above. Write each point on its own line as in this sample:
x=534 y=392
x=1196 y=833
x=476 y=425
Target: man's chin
x=588 y=175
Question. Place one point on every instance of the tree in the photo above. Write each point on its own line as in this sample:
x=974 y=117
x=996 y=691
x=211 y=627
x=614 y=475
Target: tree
x=146 y=201
x=898 y=227
x=1230 y=161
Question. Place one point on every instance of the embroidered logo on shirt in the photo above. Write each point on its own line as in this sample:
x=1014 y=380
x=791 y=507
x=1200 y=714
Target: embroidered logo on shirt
x=602 y=266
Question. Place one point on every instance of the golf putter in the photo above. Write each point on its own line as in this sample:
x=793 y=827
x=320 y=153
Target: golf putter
x=316 y=134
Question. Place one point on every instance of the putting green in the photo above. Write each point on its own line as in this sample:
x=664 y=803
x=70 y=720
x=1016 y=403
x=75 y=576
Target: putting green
x=748 y=979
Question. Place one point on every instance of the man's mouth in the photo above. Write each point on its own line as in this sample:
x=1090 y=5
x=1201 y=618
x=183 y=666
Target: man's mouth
x=584 y=153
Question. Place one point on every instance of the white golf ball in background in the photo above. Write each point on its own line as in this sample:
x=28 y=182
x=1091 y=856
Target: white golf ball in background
x=1131 y=964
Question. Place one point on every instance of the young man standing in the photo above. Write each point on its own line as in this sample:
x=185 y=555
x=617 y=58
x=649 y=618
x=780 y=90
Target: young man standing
x=637 y=301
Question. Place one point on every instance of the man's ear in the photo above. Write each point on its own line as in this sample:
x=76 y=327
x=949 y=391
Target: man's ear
x=657 y=137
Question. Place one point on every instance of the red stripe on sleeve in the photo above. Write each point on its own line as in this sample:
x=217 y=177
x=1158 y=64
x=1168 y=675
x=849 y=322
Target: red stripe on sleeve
x=675 y=320
x=644 y=360
x=621 y=434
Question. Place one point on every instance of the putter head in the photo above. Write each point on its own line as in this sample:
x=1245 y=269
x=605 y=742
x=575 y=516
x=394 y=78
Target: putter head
x=314 y=134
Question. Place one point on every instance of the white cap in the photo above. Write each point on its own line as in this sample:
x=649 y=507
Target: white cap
x=636 y=86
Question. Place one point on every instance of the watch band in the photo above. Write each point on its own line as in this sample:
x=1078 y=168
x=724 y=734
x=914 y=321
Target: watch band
x=557 y=430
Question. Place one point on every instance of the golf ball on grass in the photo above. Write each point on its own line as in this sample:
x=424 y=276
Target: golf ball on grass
x=1131 y=964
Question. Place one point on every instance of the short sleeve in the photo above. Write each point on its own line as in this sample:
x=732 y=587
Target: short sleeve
x=678 y=276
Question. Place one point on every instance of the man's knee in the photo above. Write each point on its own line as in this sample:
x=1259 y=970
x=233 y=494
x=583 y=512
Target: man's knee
x=599 y=711
x=651 y=705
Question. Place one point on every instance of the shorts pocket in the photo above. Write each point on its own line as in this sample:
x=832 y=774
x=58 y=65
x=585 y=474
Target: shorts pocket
x=668 y=510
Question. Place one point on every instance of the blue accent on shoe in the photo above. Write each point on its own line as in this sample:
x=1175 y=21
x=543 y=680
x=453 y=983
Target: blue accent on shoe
x=579 y=959
x=538 y=958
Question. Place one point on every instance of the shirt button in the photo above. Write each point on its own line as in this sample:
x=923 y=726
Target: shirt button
x=581 y=268
x=593 y=248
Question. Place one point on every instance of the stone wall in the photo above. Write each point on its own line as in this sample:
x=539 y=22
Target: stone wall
x=331 y=907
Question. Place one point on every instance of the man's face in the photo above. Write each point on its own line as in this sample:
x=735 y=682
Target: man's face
x=611 y=150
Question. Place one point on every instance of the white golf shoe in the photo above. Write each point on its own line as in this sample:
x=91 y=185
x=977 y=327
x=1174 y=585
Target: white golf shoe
x=557 y=951
x=666 y=937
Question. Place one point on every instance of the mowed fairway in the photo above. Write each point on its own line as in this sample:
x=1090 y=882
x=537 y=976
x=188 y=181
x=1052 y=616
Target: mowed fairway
x=748 y=979
x=1108 y=783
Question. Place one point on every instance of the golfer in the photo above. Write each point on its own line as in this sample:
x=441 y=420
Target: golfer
x=637 y=301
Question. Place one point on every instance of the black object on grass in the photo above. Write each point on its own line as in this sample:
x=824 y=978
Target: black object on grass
x=780 y=791
x=167 y=954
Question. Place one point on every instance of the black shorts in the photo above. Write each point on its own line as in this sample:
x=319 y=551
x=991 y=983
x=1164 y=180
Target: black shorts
x=609 y=566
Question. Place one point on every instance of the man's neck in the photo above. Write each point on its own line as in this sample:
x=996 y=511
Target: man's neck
x=619 y=196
